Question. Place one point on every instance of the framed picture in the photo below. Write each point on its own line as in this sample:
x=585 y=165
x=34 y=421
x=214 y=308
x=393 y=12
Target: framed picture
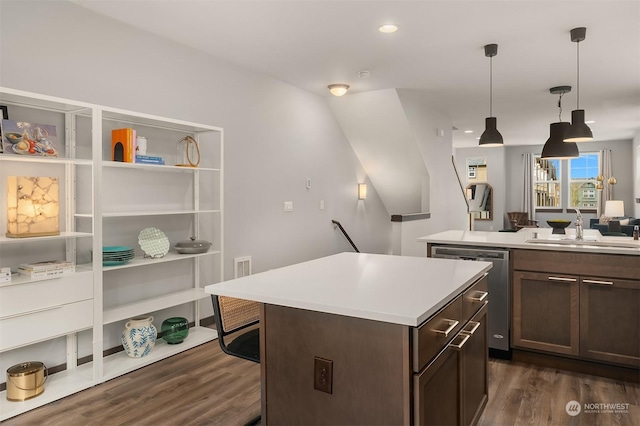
x=22 y=138
x=5 y=116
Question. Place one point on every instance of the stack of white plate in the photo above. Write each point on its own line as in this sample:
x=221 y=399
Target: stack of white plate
x=116 y=255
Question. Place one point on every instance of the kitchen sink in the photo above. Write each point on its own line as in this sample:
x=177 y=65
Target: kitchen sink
x=618 y=242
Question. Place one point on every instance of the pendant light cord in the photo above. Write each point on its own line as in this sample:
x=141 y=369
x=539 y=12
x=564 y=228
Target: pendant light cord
x=578 y=76
x=491 y=86
x=560 y=107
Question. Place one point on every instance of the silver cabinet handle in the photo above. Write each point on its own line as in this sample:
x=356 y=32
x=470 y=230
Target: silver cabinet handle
x=452 y=324
x=562 y=279
x=35 y=311
x=597 y=282
x=459 y=346
x=483 y=296
x=475 y=325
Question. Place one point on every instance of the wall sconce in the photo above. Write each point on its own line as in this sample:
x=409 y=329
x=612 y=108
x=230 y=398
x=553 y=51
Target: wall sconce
x=338 y=89
x=362 y=191
x=32 y=206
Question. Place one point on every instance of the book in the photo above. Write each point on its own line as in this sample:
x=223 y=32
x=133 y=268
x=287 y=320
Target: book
x=149 y=157
x=47 y=265
x=123 y=145
x=22 y=138
x=148 y=161
x=44 y=274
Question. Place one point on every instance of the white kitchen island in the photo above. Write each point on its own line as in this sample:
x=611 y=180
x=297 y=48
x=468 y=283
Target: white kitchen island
x=396 y=330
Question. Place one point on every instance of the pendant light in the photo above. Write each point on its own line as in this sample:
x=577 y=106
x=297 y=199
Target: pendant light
x=555 y=147
x=491 y=136
x=579 y=131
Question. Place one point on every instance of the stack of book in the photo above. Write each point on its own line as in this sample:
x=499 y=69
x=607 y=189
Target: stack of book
x=46 y=269
x=149 y=159
x=5 y=275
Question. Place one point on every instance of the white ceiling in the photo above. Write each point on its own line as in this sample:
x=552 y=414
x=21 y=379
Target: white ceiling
x=438 y=49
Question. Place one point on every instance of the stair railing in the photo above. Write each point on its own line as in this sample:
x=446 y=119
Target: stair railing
x=336 y=223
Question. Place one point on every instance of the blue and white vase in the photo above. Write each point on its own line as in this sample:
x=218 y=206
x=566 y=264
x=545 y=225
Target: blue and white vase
x=139 y=337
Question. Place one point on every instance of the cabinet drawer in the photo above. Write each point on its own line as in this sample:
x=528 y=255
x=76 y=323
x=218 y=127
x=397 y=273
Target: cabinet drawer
x=45 y=324
x=474 y=298
x=30 y=296
x=435 y=333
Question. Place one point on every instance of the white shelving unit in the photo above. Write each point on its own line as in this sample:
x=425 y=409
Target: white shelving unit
x=108 y=203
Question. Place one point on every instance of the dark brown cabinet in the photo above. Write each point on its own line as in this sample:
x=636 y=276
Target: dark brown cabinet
x=546 y=312
x=572 y=309
x=453 y=388
x=609 y=320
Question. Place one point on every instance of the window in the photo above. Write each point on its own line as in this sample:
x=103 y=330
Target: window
x=549 y=186
x=583 y=172
x=546 y=183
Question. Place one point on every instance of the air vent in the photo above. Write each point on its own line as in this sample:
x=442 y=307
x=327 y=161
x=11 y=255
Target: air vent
x=242 y=266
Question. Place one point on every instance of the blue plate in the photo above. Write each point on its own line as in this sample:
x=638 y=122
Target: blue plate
x=111 y=249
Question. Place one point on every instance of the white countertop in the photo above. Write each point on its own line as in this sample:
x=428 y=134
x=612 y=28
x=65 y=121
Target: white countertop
x=395 y=289
x=546 y=241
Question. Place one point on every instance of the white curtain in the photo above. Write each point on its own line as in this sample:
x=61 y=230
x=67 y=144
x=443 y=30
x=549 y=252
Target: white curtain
x=528 y=204
x=605 y=170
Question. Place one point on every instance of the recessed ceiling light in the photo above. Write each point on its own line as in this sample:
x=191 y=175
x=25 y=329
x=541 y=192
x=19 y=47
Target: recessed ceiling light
x=468 y=131
x=478 y=138
x=590 y=122
x=388 y=28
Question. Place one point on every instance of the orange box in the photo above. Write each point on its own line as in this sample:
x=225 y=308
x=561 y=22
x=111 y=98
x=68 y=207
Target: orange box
x=123 y=145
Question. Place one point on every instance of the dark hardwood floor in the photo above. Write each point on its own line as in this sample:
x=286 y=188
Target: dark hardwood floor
x=204 y=386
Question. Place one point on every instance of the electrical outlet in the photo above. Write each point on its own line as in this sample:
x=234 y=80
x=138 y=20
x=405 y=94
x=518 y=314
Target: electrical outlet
x=323 y=374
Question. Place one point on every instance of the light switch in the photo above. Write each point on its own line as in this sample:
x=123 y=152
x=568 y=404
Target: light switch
x=288 y=206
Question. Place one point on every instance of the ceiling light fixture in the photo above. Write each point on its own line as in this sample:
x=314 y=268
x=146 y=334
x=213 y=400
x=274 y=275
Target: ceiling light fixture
x=338 y=89
x=388 y=28
x=491 y=136
x=468 y=131
x=579 y=131
x=555 y=147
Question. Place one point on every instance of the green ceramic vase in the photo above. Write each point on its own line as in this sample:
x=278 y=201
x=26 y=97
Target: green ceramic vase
x=175 y=330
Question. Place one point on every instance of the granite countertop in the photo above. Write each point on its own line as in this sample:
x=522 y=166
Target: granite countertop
x=544 y=240
x=396 y=289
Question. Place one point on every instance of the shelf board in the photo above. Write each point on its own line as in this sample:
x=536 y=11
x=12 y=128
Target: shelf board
x=23 y=279
x=127 y=311
x=53 y=160
x=83 y=215
x=63 y=235
x=118 y=364
x=156 y=167
x=169 y=257
x=136 y=118
x=156 y=213
x=58 y=386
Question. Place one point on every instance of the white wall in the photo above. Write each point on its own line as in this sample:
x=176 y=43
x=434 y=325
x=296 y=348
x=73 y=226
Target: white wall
x=432 y=132
x=276 y=135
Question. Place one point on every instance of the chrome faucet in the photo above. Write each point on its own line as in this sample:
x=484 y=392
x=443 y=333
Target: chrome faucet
x=579 y=234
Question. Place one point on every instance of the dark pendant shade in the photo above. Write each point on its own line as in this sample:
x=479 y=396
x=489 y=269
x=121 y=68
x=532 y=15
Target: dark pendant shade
x=491 y=136
x=555 y=147
x=579 y=131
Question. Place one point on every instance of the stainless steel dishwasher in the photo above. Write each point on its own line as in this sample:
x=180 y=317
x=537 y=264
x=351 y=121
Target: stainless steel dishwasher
x=499 y=293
